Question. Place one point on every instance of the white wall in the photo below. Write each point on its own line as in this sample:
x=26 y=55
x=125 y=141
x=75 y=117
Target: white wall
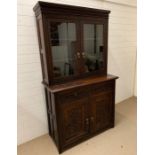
x=135 y=83
x=32 y=121
x=123 y=2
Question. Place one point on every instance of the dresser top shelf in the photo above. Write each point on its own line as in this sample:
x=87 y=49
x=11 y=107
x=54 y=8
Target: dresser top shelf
x=81 y=82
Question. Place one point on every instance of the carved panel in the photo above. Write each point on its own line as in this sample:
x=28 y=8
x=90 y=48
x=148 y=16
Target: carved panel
x=73 y=115
x=102 y=110
x=102 y=114
x=73 y=121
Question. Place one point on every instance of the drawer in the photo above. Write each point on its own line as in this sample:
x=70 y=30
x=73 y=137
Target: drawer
x=72 y=94
x=103 y=87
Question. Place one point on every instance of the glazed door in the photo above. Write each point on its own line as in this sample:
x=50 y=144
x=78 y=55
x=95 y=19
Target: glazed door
x=93 y=43
x=77 y=48
x=101 y=111
x=64 y=46
x=74 y=120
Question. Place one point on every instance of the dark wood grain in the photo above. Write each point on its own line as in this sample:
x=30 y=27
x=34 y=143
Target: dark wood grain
x=81 y=82
x=48 y=12
x=81 y=105
x=68 y=9
x=97 y=101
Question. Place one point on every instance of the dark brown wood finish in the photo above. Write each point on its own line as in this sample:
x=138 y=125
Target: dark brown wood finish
x=62 y=13
x=79 y=105
x=101 y=111
x=103 y=22
x=74 y=120
x=95 y=99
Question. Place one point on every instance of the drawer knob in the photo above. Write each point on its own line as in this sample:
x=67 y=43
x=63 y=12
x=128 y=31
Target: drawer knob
x=92 y=119
x=87 y=121
x=83 y=55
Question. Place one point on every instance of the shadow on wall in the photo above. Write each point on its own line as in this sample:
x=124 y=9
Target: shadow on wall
x=29 y=124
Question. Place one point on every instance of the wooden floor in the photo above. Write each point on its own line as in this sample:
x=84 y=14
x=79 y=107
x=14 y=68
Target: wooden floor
x=120 y=140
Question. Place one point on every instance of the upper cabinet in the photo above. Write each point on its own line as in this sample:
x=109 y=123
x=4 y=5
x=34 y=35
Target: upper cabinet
x=73 y=41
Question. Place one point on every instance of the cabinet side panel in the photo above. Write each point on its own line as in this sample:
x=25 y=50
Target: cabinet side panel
x=42 y=49
x=51 y=115
x=105 y=49
x=54 y=116
x=113 y=105
x=50 y=111
x=48 y=116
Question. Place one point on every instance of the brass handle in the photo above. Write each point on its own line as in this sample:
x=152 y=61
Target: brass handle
x=92 y=119
x=83 y=55
x=87 y=121
x=78 y=54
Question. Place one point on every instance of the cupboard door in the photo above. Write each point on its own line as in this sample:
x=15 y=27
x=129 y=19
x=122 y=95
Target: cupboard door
x=102 y=109
x=93 y=48
x=74 y=121
x=64 y=46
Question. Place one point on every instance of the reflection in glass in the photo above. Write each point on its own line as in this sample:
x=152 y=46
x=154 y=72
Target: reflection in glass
x=63 y=41
x=93 y=47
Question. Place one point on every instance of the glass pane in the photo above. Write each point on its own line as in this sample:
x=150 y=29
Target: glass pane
x=63 y=44
x=93 y=47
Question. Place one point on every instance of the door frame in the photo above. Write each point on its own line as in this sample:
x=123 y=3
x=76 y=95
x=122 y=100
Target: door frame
x=105 y=42
x=85 y=101
x=49 y=50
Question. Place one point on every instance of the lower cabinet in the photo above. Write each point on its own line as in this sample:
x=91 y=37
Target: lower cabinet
x=80 y=113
